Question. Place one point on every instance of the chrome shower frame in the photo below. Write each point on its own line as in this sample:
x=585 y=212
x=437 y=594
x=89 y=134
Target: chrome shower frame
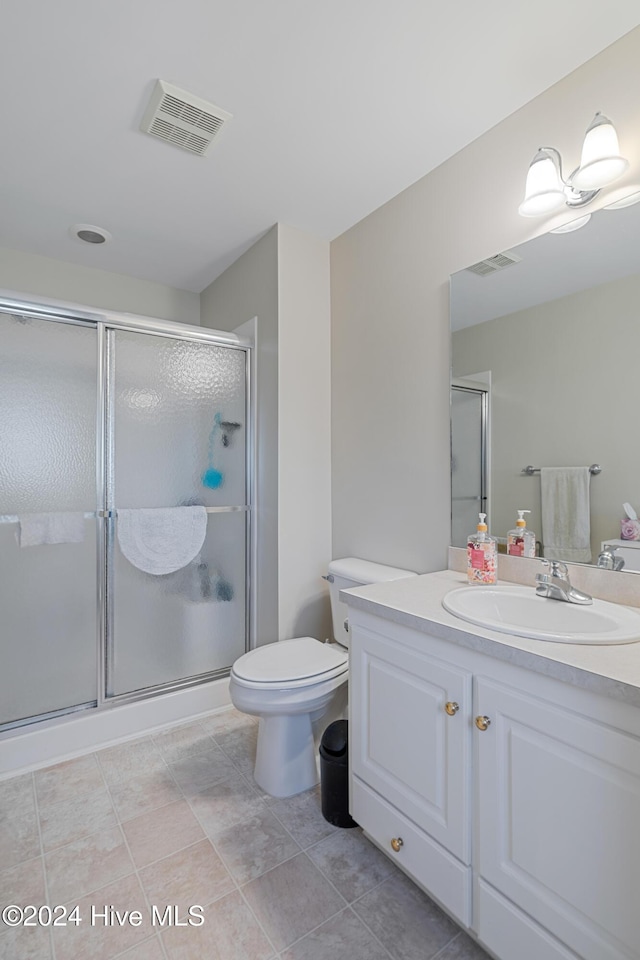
x=104 y=322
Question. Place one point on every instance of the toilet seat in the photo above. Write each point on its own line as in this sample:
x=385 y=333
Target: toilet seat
x=290 y=663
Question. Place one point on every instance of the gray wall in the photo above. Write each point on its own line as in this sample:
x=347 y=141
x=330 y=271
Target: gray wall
x=33 y=275
x=283 y=280
x=390 y=324
x=563 y=394
x=247 y=289
x=304 y=416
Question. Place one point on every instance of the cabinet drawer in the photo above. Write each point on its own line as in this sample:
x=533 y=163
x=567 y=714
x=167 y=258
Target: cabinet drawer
x=441 y=875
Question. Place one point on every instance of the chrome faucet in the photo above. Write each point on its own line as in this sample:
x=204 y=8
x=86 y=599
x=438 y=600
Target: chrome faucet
x=607 y=559
x=556 y=584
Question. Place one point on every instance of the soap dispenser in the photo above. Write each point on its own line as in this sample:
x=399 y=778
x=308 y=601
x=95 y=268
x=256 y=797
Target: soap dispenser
x=482 y=555
x=520 y=541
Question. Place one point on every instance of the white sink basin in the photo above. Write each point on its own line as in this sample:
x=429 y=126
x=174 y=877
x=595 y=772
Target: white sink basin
x=517 y=610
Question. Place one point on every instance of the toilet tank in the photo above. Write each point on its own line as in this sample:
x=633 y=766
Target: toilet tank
x=352 y=572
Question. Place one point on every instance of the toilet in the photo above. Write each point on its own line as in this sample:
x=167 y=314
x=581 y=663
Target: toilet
x=297 y=687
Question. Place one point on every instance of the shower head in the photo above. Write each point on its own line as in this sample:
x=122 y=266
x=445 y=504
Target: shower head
x=228 y=428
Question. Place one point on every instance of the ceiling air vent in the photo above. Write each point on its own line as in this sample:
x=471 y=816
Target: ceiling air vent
x=182 y=119
x=491 y=264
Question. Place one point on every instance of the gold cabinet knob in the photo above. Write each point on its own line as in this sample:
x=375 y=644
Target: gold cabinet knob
x=482 y=723
x=451 y=707
x=396 y=843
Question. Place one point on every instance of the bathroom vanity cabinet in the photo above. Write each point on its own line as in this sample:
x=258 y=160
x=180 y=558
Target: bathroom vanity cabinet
x=511 y=796
x=410 y=759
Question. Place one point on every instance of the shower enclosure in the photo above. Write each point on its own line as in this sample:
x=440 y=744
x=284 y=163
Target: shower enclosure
x=101 y=415
x=469 y=453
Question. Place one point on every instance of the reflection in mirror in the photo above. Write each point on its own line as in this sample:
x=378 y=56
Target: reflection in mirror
x=552 y=337
x=469 y=464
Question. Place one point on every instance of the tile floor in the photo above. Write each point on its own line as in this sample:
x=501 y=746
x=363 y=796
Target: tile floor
x=176 y=819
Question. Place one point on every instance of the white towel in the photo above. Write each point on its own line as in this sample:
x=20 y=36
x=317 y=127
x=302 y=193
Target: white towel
x=161 y=540
x=40 y=528
x=566 y=521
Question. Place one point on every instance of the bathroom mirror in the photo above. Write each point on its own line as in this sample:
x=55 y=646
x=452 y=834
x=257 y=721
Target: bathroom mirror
x=546 y=372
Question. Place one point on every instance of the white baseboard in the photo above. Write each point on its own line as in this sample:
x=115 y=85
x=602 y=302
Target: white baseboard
x=51 y=741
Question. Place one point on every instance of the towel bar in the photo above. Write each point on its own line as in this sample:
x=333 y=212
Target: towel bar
x=594 y=469
x=107 y=514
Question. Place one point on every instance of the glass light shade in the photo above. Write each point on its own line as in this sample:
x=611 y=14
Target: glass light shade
x=573 y=224
x=544 y=191
x=601 y=162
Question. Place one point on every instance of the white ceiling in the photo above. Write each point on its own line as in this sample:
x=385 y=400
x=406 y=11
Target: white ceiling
x=338 y=106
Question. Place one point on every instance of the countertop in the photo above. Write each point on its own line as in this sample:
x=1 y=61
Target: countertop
x=612 y=671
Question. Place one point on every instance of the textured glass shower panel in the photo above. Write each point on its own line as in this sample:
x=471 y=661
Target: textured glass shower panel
x=185 y=623
x=47 y=464
x=467 y=465
x=179 y=439
x=48 y=422
x=180 y=422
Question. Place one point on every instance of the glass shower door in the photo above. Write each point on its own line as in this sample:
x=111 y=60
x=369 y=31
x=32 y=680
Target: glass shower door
x=178 y=439
x=468 y=461
x=48 y=554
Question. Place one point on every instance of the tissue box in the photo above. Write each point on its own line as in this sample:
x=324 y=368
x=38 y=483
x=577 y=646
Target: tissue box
x=630 y=529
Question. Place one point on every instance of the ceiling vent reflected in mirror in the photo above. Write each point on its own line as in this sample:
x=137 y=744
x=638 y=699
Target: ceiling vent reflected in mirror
x=492 y=264
x=182 y=119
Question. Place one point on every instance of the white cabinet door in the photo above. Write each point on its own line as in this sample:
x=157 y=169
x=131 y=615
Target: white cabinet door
x=404 y=744
x=558 y=820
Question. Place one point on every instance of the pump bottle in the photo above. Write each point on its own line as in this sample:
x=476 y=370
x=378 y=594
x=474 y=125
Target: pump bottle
x=482 y=555
x=520 y=541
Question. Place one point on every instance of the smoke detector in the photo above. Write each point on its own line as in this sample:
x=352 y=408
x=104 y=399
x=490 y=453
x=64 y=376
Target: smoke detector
x=183 y=119
x=89 y=233
x=492 y=264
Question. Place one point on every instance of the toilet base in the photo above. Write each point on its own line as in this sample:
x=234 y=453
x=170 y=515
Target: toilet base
x=291 y=723
x=286 y=755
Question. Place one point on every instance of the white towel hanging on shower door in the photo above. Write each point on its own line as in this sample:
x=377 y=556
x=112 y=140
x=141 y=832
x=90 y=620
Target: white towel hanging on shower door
x=160 y=540
x=37 y=529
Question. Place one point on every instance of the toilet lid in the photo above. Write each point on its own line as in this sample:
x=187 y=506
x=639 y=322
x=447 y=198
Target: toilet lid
x=289 y=660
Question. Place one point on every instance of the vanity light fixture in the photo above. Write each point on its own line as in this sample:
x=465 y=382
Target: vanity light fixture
x=600 y=164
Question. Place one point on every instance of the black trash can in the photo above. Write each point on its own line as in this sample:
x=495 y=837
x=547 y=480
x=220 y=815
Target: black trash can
x=334 y=775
